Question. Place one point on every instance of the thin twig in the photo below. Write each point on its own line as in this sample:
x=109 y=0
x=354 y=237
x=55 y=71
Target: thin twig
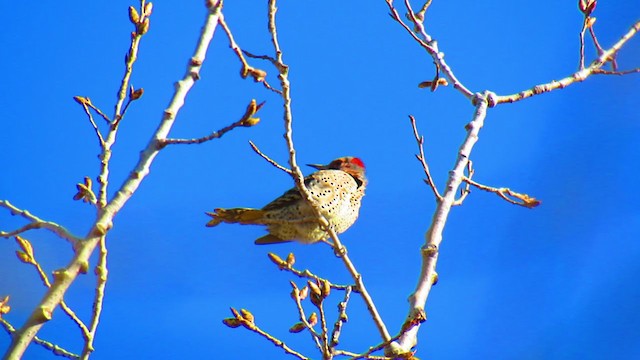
x=102 y=115
x=423 y=161
x=55 y=349
x=214 y=135
x=277 y=342
x=380 y=346
x=104 y=221
x=303 y=317
x=27 y=256
x=273 y=61
x=101 y=272
x=93 y=124
x=306 y=274
x=86 y=103
x=482 y=101
x=268 y=159
x=325 y=332
x=248 y=119
x=309 y=275
x=579 y=76
x=130 y=59
x=36 y=223
x=507 y=194
x=251 y=326
x=299 y=178
x=622 y=72
x=352 y=354
x=582 y=32
x=247 y=70
x=124 y=110
x=261 y=57
x=427 y=43
x=63 y=305
x=433 y=237
x=141 y=25
x=407 y=354
x=342 y=318
x=599 y=48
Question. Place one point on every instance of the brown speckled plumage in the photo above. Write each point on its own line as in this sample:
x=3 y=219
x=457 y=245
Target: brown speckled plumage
x=337 y=187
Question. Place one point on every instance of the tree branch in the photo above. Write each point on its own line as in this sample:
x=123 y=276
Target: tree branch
x=578 y=76
x=65 y=277
x=299 y=178
x=306 y=274
x=245 y=319
x=427 y=43
x=422 y=159
x=27 y=256
x=507 y=194
x=36 y=223
x=342 y=318
x=55 y=349
x=433 y=237
x=247 y=120
x=268 y=159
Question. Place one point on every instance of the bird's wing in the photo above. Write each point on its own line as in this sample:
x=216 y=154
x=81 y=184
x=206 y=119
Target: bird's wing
x=289 y=198
x=292 y=196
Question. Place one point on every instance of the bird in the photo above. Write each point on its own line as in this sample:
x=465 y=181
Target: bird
x=337 y=188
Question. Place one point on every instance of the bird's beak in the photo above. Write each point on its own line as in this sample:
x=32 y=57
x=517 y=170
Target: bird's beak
x=318 y=166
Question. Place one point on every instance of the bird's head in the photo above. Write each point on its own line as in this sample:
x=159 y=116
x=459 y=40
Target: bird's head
x=349 y=164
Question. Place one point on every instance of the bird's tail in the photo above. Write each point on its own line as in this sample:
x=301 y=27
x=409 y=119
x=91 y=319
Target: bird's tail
x=244 y=216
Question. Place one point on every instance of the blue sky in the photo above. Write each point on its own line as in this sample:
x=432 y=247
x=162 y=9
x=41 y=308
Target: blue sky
x=557 y=282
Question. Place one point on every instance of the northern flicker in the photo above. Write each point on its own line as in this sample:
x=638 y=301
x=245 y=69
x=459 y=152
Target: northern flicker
x=338 y=189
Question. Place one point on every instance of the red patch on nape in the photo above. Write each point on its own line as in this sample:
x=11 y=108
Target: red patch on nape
x=357 y=161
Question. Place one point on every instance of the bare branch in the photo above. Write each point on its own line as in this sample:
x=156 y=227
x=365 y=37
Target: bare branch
x=133 y=96
x=36 y=223
x=366 y=355
x=325 y=331
x=427 y=43
x=247 y=120
x=268 y=159
x=622 y=72
x=423 y=161
x=433 y=237
x=295 y=295
x=576 y=77
x=246 y=320
x=261 y=57
x=342 y=318
x=27 y=256
x=582 y=32
x=258 y=75
x=595 y=40
x=299 y=179
x=55 y=349
x=101 y=282
x=104 y=221
x=141 y=24
x=507 y=194
x=99 y=112
x=86 y=102
x=306 y=274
